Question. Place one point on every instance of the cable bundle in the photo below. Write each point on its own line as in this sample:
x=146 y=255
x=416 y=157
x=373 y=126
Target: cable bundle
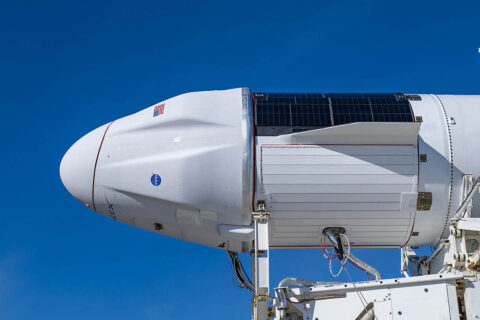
x=239 y=275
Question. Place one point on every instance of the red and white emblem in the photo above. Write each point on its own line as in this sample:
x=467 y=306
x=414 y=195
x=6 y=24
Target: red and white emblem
x=159 y=109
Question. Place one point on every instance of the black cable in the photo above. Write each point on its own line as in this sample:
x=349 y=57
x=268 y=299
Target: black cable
x=246 y=274
x=241 y=278
x=241 y=275
x=233 y=269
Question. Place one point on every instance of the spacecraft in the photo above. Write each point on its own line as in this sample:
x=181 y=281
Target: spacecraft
x=236 y=169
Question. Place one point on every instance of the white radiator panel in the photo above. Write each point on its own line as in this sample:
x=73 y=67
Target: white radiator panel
x=368 y=190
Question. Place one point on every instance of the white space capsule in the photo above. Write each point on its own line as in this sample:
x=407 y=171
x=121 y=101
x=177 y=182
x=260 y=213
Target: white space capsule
x=386 y=167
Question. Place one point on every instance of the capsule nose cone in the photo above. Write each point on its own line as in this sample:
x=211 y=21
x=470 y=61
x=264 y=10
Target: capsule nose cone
x=77 y=168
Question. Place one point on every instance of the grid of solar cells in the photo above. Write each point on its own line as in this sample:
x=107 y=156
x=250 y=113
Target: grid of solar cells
x=292 y=110
x=274 y=110
x=311 y=111
x=351 y=109
x=324 y=110
x=390 y=110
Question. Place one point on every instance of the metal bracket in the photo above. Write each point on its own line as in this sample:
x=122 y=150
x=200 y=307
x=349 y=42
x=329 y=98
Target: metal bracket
x=424 y=201
x=261 y=215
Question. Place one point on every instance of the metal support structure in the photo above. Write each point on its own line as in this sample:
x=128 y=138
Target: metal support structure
x=460 y=253
x=261 y=263
x=464 y=230
x=468 y=192
x=423 y=297
x=450 y=274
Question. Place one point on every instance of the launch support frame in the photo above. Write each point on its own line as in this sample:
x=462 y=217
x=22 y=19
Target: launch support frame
x=445 y=285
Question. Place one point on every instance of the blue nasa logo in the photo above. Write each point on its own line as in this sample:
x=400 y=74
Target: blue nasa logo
x=155 y=179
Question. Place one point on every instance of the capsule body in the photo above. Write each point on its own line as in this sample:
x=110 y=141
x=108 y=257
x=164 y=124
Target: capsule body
x=387 y=168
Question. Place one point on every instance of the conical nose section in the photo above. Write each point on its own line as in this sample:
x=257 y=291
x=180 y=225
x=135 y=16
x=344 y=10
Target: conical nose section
x=77 y=168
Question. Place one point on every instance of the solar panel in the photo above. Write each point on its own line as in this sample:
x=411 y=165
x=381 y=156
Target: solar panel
x=391 y=110
x=351 y=109
x=281 y=113
x=291 y=110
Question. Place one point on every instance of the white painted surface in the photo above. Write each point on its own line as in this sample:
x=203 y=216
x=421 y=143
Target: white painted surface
x=197 y=147
x=463 y=115
x=450 y=137
x=359 y=133
x=434 y=175
x=78 y=165
x=307 y=192
x=472 y=300
x=426 y=297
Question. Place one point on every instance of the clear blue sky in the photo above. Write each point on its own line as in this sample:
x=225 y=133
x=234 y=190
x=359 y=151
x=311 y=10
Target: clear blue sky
x=69 y=67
